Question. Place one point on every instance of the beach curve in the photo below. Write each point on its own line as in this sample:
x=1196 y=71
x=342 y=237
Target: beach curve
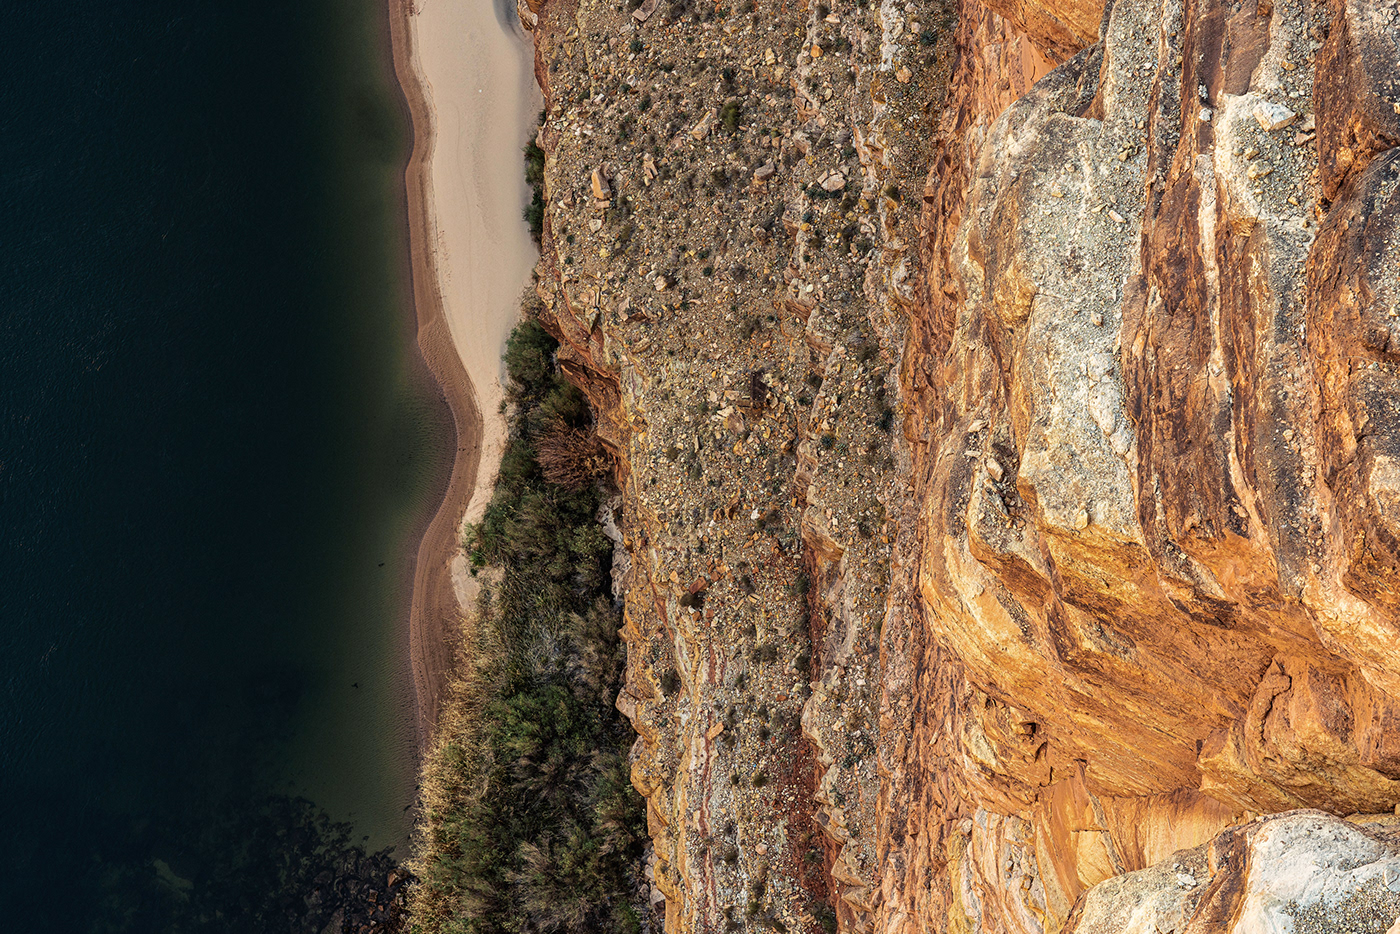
x=471 y=257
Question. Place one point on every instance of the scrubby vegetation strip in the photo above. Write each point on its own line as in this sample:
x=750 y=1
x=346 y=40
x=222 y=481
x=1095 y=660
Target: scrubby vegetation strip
x=530 y=821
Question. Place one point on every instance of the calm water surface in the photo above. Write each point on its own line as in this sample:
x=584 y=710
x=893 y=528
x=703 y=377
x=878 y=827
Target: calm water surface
x=217 y=449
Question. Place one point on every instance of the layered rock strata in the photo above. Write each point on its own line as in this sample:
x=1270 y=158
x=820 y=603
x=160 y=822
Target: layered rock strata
x=1009 y=472
x=1154 y=561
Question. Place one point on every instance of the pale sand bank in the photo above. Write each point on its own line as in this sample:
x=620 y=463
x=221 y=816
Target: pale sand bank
x=469 y=79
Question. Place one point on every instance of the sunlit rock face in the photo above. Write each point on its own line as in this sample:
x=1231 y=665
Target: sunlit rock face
x=1004 y=406
x=1154 y=405
x=1300 y=871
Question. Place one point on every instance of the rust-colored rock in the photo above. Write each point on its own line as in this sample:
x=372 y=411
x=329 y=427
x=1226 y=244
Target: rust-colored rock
x=1126 y=578
x=1171 y=329
x=1058 y=29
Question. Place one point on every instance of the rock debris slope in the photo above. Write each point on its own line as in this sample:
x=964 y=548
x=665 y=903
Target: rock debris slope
x=1005 y=408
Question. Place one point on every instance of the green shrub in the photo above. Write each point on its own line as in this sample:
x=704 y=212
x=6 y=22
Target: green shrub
x=531 y=822
x=730 y=114
x=534 y=177
x=533 y=215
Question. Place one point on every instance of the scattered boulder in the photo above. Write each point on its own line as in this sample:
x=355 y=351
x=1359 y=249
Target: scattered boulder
x=1272 y=116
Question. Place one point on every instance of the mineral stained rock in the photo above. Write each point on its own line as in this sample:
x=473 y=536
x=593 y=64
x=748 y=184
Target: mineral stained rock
x=1006 y=402
x=1303 y=871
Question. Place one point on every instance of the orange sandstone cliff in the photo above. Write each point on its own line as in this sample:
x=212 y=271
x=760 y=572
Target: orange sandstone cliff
x=1006 y=402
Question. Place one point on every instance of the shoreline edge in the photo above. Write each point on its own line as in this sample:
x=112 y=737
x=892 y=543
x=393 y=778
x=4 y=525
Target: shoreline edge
x=434 y=600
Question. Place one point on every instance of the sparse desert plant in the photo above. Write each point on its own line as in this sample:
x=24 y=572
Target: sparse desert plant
x=534 y=177
x=730 y=114
x=572 y=458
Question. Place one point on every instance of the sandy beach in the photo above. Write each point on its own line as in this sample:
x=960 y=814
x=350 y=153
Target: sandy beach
x=467 y=74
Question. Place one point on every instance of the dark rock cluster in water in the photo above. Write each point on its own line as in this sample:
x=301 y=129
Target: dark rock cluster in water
x=276 y=866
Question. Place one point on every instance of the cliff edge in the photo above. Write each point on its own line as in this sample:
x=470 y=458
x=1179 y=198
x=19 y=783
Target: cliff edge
x=1007 y=414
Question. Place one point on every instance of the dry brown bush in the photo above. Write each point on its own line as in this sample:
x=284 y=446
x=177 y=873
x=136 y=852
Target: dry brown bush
x=571 y=457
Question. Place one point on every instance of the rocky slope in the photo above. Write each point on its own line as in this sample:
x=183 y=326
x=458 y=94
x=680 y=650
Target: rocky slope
x=1009 y=472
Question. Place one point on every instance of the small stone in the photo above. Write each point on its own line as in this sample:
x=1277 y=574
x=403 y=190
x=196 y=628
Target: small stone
x=904 y=75
x=1272 y=116
x=816 y=51
x=765 y=171
x=833 y=181
x=1096 y=319
x=761 y=849
x=1117 y=218
x=1081 y=521
x=994 y=468
x=602 y=191
x=770 y=58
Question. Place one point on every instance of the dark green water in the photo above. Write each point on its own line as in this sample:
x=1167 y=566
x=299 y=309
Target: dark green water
x=218 y=448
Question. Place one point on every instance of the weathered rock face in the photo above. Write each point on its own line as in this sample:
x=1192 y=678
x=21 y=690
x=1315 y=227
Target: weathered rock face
x=732 y=302
x=1154 y=393
x=1303 y=871
x=1126 y=577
